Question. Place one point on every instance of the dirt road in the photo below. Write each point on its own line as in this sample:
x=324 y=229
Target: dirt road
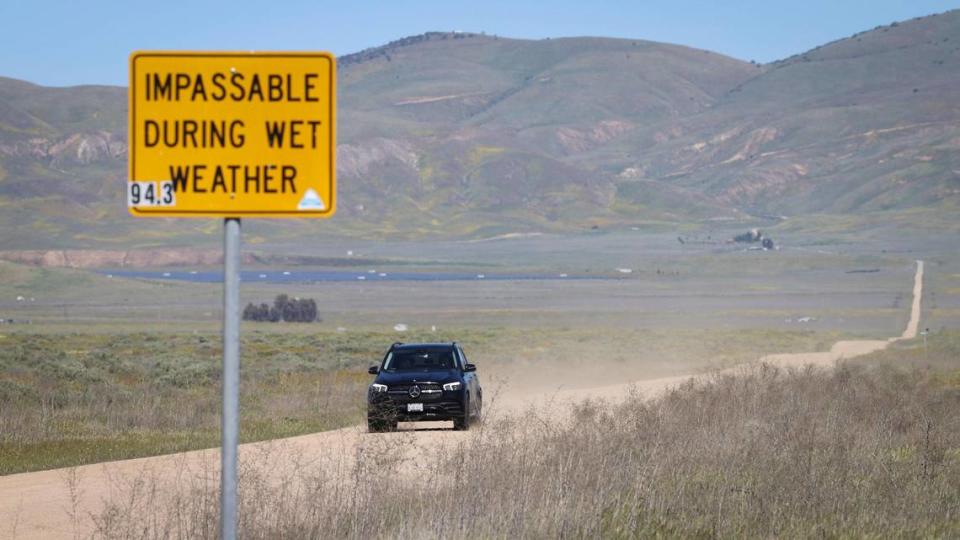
x=62 y=503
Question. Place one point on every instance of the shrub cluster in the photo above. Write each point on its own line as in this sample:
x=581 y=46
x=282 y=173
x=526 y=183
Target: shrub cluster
x=284 y=309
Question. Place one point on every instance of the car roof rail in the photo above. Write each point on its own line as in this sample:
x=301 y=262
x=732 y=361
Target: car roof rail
x=396 y=344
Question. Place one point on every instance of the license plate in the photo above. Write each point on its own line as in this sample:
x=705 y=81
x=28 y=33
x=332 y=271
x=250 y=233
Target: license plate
x=414 y=407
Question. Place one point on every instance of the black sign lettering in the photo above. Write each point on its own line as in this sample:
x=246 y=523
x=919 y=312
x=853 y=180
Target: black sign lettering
x=220 y=91
x=287 y=174
x=151 y=133
x=233 y=177
x=275 y=131
x=254 y=178
x=268 y=179
x=255 y=88
x=200 y=87
x=278 y=136
x=314 y=125
x=236 y=80
x=275 y=87
x=162 y=87
x=295 y=133
x=198 y=90
x=179 y=175
x=198 y=171
x=236 y=134
x=217 y=134
x=182 y=83
x=251 y=178
x=218 y=180
x=190 y=131
x=194 y=133
x=309 y=84
x=292 y=96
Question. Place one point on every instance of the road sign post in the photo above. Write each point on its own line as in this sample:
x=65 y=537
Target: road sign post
x=230 y=417
x=231 y=135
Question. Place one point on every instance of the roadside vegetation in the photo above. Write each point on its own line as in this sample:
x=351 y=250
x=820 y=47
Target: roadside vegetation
x=861 y=450
x=80 y=398
x=73 y=399
x=84 y=398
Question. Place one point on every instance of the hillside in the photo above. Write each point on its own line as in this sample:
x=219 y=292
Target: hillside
x=868 y=123
x=466 y=135
x=471 y=129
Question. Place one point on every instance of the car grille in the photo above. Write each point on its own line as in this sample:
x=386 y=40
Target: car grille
x=428 y=392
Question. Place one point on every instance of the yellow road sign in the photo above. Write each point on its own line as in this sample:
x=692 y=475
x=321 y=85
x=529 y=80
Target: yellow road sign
x=232 y=134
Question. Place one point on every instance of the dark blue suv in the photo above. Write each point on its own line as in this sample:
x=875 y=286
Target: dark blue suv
x=422 y=382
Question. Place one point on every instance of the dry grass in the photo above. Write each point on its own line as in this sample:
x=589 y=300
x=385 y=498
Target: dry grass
x=851 y=452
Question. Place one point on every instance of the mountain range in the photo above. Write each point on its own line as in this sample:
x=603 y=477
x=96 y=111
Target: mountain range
x=460 y=135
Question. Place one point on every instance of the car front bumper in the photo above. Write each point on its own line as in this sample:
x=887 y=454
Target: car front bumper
x=390 y=408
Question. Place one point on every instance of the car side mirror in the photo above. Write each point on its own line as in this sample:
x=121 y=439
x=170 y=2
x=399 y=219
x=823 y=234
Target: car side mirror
x=469 y=367
x=373 y=370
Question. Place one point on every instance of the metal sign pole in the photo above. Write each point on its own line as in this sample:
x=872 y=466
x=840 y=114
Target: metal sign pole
x=230 y=419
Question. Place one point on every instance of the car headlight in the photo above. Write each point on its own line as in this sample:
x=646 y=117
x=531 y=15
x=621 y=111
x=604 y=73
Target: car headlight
x=378 y=388
x=451 y=386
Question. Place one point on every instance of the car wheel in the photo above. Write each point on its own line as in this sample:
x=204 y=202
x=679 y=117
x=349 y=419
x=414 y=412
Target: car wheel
x=479 y=410
x=377 y=422
x=380 y=420
x=463 y=423
x=380 y=425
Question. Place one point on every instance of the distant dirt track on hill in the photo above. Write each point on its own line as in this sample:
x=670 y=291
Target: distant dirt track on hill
x=62 y=503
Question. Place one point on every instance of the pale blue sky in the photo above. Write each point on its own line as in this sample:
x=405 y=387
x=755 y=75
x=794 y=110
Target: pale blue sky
x=62 y=43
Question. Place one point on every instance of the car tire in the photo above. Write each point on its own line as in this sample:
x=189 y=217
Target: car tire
x=381 y=426
x=463 y=423
x=379 y=420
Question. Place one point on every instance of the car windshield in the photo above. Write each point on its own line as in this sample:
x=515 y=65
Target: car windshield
x=422 y=360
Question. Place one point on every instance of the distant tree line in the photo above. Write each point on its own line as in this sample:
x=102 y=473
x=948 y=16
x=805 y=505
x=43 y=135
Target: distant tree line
x=284 y=309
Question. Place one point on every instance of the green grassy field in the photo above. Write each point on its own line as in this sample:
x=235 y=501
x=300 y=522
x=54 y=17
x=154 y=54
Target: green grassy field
x=73 y=399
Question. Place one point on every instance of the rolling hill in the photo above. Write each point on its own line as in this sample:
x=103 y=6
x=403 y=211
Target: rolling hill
x=469 y=135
